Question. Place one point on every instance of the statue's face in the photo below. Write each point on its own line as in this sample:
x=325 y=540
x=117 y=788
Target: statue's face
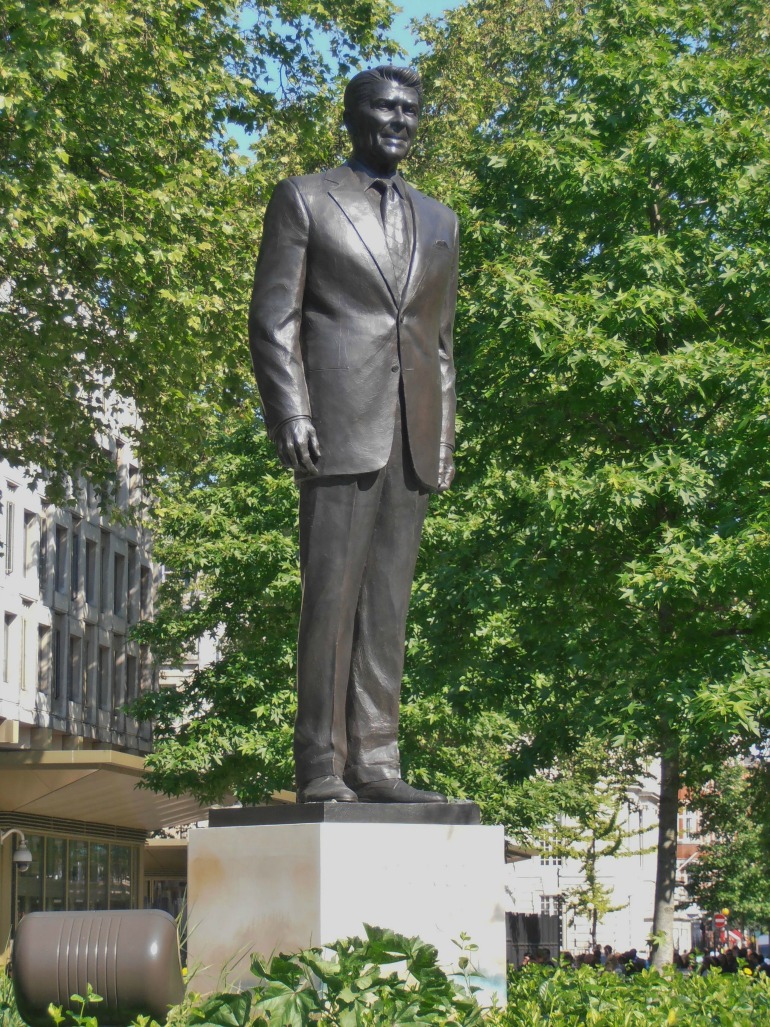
x=383 y=126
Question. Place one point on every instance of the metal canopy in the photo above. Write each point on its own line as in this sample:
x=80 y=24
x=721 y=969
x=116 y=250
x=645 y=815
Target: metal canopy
x=98 y=786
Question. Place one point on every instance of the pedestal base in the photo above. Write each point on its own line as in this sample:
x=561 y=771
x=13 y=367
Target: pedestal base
x=284 y=887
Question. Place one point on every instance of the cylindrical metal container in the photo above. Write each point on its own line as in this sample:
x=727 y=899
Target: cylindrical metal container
x=129 y=957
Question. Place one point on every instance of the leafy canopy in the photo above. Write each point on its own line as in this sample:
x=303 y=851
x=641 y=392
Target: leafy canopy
x=602 y=562
x=731 y=867
x=127 y=222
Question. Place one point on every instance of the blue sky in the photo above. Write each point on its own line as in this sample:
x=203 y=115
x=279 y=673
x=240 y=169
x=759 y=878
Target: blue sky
x=417 y=9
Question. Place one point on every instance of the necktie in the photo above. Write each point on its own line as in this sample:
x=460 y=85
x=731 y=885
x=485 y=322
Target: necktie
x=396 y=235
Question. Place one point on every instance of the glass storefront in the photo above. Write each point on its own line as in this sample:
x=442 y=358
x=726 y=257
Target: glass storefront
x=122 y=877
x=55 y=874
x=77 y=895
x=97 y=877
x=77 y=874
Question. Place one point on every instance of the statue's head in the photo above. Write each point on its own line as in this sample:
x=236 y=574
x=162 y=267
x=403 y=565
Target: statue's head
x=382 y=108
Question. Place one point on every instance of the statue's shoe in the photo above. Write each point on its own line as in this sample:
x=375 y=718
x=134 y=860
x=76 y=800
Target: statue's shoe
x=393 y=789
x=326 y=789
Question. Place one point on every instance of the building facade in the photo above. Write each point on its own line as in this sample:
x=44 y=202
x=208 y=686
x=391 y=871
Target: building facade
x=73 y=584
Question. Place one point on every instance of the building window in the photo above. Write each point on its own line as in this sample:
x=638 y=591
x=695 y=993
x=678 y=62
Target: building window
x=42 y=555
x=547 y=859
x=60 y=565
x=73 y=670
x=550 y=905
x=547 y=844
x=55 y=884
x=119 y=585
x=9 y=653
x=132 y=677
x=27 y=657
x=145 y=669
x=690 y=827
x=118 y=692
x=134 y=495
x=103 y=678
x=90 y=582
x=23 y=647
x=132 y=586
x=122 y=876
x=98 y=862
x=30 y=542
x=10 y=531
x=77 y=874
x=104 y=584
x=145 y=593
x=75 y=561
x=120 y=462
x=43 y=664
x=89 y=654
x=57 y=657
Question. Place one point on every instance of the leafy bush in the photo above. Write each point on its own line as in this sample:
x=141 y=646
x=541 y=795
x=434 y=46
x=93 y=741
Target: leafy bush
x=385 y=980
x=539 y=997
x=9 y=1016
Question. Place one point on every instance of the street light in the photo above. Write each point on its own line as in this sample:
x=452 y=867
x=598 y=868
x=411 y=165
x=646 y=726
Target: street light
x=22 y=857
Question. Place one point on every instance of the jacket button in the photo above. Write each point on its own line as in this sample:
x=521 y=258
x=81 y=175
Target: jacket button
x=394 y=368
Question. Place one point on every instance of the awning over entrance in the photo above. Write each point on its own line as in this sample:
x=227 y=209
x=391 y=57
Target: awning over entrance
x=165 y=858
x=97 y=785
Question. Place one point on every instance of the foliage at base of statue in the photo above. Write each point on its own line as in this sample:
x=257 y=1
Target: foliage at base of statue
x=384 y=979
x=9 y=1016
x=542 y=997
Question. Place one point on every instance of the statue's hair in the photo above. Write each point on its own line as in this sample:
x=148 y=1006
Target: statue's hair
x=360 y=87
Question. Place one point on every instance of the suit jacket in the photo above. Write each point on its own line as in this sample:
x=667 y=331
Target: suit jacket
x=329 y=332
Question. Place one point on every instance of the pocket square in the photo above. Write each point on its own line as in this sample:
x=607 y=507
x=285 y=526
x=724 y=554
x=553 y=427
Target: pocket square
x=441 y=242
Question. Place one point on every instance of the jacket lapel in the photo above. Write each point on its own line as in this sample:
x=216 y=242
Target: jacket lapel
x=346 y=193
x=421 y=246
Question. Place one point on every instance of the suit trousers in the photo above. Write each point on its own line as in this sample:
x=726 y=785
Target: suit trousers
x=359 y=539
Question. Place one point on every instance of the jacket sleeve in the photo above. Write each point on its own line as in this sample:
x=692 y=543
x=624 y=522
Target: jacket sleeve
x=446 y=358
x=275 y=312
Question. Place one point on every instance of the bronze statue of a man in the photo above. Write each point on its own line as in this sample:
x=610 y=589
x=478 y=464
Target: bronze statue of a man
x=350 y=328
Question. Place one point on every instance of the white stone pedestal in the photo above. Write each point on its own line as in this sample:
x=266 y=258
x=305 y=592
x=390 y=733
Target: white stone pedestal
x=285 y=887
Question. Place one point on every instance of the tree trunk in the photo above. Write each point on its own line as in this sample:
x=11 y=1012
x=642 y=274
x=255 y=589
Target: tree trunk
x=665 y=880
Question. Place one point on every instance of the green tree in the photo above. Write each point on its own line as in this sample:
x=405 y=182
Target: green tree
x=599 y=834
x=602 y=561
x=730 y=870
x=225 y=531
x=127 y=221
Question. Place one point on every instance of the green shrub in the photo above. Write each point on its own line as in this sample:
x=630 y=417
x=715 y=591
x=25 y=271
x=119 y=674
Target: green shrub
x=385 y=980
x=9 y=1016
x=539 y=997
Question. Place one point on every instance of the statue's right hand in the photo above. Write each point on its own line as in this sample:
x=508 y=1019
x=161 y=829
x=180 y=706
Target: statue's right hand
x=297 y=445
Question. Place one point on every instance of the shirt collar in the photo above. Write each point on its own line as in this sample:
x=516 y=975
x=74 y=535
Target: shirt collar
x=366 y=176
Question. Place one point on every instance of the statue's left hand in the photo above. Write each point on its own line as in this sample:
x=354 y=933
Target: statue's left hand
x=297 y=445
x=446 y=468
